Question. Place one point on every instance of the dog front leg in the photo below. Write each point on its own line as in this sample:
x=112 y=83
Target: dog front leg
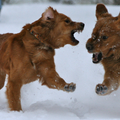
x=56 y=82
x=110 y=83
x=51 y=78
x=13 y=94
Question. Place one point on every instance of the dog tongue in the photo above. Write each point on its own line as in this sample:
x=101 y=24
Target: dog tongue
x=97 y=57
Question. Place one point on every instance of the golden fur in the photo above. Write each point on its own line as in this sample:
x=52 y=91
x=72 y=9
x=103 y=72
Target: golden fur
x=105 y=46
x=29 y=55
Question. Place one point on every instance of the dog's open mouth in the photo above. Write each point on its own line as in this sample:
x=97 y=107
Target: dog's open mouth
x=72 y=36
x=97 y=57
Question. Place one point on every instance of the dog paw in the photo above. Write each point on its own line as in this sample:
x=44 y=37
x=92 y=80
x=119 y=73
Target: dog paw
x=70 y=87
x=101 y=89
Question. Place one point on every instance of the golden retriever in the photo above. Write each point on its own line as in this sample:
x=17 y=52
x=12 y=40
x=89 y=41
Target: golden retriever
x=29 y=55
x=105 y=46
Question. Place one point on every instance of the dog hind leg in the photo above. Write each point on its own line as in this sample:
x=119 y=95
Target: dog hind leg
x=13 y=94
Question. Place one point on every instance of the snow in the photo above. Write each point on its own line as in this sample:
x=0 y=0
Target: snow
x=74 y=64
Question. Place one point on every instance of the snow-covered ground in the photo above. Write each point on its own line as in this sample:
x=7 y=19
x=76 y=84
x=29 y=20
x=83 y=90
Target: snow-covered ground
x=74 y=64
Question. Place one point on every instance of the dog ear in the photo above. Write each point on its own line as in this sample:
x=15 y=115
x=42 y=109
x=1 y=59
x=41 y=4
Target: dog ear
x=48 y=14
x=27 y=26
x=36 y=32
x=36 y=29
x=100 y=10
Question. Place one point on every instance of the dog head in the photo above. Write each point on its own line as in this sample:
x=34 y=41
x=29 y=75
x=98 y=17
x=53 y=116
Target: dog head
x=105 y=39
x=56 y=29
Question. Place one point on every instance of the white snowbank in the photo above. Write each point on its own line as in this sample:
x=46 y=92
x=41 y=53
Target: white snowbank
x=74 y=64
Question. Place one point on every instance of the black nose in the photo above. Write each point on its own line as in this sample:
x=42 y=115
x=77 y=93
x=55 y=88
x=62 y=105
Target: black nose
x=82 y=25
x=89 y=47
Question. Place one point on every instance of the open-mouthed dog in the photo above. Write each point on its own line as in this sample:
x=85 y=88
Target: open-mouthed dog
x=105 y=46
x=29 y=55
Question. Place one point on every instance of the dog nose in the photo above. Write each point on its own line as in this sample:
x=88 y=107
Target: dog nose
x=89 y=47
x=82 y=25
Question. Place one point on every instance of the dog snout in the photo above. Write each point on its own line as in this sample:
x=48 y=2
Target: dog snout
x=89 y=47
x=82 y=25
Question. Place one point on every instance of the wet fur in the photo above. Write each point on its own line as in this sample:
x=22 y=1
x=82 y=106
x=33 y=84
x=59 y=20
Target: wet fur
x=105 y=39
x=29 y=55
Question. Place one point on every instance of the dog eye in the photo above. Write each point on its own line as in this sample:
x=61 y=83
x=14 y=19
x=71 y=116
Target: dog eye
x=67 y=21
x=104 y=37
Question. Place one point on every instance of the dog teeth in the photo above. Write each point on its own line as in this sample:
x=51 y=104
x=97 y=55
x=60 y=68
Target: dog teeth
x=79 y=31
x=75 y=31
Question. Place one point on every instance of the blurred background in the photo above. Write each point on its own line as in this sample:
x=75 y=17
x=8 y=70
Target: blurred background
x=109 y=2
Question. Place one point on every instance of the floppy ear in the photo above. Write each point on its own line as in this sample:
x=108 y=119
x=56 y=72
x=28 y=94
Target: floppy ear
x=48 y=14
x=36 y=29
x=100 y=10
x=36 y=32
